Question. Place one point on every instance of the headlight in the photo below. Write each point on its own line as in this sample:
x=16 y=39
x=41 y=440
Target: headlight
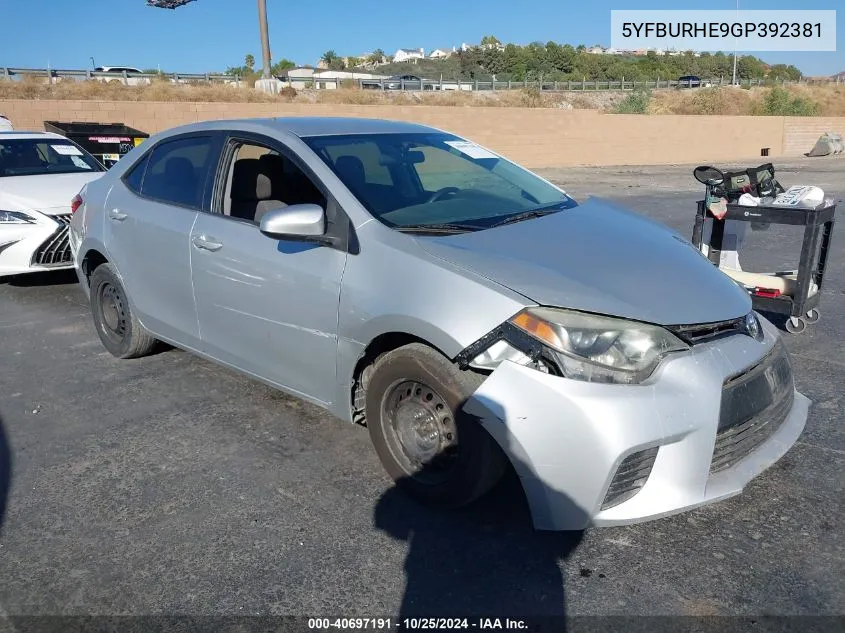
x=15 y=217
x=598 y=348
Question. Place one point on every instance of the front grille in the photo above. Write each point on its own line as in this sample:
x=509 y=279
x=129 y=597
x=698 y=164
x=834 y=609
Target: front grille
x=754 y=406
x=703 y=332
x=630 y=477
x=55 y=250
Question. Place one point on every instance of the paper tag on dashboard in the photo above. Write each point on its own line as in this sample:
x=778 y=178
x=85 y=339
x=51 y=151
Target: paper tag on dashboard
x=67 y=150
x=471 y=149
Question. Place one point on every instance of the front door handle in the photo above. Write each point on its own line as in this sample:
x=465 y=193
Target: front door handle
x=206 y=243
x=118 y=215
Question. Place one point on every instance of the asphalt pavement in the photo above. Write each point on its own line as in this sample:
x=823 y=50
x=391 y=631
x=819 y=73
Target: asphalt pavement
x=169 y=485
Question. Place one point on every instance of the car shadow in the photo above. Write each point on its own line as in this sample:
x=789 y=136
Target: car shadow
x=5 y=473
x=484 y=560
x=43 y=278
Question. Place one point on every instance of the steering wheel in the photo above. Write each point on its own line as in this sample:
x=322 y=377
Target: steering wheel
x=442 y=193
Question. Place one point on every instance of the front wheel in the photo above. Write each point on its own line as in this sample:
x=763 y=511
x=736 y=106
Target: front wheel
x=118 y=328
x=426 y=443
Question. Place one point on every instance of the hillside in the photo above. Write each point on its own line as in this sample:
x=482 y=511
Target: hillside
x=554 y=62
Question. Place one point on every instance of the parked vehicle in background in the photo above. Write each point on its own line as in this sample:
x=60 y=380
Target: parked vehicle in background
x=398 y=82
x=40 y=173
x=417 y=283
x=126 y=73
x=692 y=81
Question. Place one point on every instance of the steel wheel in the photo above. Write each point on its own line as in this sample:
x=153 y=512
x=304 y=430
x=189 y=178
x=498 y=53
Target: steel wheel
x=112 y=310
x=812 y=316
x=421 y=431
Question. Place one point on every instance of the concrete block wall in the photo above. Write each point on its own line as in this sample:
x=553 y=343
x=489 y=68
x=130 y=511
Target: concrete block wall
x=535 y=137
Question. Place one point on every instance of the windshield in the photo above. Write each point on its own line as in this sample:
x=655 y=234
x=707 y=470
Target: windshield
x=417 y=180
x=35 y=157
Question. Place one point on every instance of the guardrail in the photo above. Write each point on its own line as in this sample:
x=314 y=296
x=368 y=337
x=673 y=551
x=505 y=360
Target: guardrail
x=387 y=83
x=127 y=78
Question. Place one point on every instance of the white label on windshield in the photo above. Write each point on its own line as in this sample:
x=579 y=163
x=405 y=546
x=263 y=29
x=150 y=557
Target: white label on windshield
x=80 y=163
x=471 y=149
x=67 y=150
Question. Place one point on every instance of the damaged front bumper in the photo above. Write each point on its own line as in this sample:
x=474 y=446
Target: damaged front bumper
x=569 y=440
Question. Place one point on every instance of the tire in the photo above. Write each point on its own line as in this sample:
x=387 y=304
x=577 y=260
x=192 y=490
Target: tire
x=448 y=459
x=117 y=326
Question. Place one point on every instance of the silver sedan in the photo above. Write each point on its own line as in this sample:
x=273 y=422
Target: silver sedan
x=471 y=314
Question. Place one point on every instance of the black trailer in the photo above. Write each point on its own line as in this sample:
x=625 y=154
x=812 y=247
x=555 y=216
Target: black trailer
x=801 y=305
x=107 y=142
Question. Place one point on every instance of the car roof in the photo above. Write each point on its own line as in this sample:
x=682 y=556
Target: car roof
x=314 y=126
x=27 y=134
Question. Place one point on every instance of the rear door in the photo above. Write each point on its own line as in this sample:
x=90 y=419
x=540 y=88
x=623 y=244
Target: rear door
x=149 y=216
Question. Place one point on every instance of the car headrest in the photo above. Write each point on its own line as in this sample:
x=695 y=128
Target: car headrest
x=250 y=180
x=350 y=169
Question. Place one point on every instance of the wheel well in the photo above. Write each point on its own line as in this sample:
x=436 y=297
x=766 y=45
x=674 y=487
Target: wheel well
x=380 y=345
x=90 y=262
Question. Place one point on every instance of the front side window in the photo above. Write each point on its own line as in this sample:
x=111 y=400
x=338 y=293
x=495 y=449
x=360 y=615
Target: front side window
x=410 y=181
x=36 y=157
x=260 y=179
x=176 y=171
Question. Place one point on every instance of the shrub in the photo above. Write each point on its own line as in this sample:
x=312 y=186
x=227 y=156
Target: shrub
x=531 y=98
x=635 y=103
x=288 y=92
x=779 y=102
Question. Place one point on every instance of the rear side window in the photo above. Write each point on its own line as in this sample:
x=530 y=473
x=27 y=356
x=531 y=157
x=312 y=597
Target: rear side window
x=135 y=176
x=176 y=171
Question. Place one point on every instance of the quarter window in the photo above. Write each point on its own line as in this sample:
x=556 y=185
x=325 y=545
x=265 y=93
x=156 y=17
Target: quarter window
x=135 y=176
x=176 y=171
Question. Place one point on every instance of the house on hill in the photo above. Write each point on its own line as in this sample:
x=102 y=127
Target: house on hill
x=409 y=55
x=441 y=53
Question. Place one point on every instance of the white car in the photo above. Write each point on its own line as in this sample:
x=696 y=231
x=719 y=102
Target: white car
x=40 y=174
x=131 y=78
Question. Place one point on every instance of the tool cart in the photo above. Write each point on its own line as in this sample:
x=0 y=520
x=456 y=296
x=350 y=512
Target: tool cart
x=795 y=293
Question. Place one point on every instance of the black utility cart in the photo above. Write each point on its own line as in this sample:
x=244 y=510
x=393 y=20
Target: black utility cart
x=802 y=300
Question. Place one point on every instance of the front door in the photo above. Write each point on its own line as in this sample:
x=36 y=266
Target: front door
x=266 y=306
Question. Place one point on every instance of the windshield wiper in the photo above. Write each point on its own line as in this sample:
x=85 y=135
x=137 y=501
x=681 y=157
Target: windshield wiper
x=440 y=228
x=532 y=213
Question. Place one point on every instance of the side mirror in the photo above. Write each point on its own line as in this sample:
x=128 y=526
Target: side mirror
x=297 y=221
x=708 y=175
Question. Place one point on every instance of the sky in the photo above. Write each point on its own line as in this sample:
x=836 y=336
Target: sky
x=211 y=35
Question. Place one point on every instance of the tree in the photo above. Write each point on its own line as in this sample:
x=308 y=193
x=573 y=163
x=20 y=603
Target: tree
x=490 y=41
x=281 y=66
x=376 y=57
x=353 y=62
x=329 y=57
x=249 y=61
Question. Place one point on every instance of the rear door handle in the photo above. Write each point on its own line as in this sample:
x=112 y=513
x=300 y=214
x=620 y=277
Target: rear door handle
x=117 y=214
x=206 y=243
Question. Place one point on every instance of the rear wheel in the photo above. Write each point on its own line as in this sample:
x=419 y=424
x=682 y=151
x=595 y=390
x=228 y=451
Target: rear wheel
x=426 y=443
x=118 y=328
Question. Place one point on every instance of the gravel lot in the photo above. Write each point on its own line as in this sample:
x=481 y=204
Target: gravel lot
x=168 y=485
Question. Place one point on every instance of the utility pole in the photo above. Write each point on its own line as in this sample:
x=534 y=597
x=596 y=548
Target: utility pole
x=737 y=16
x=265 y=38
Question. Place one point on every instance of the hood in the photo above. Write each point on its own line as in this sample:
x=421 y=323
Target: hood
x=46 y=192
x=599 y=258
